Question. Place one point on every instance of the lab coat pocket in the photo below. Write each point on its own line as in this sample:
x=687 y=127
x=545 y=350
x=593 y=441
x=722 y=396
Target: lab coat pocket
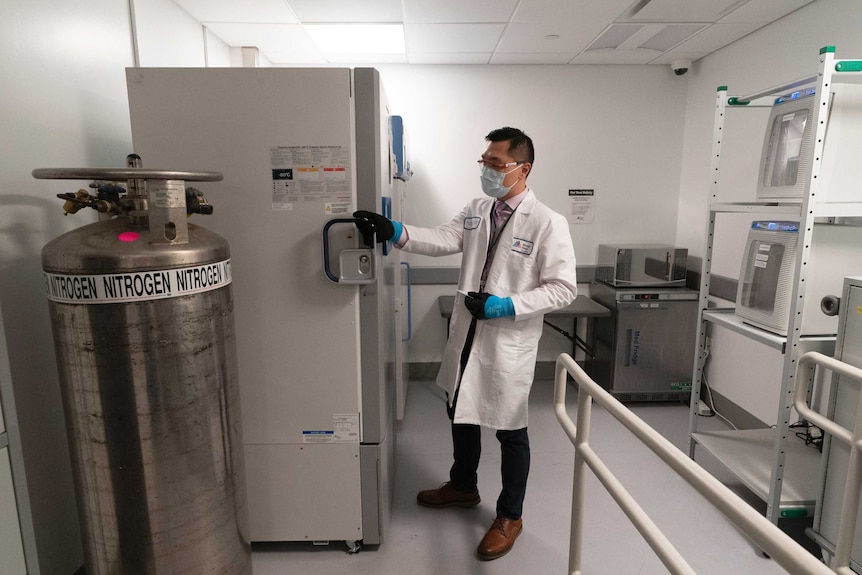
x=503 y=350
x=520 y=274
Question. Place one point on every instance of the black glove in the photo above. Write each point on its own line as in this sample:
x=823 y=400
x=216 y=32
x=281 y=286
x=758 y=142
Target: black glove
x=370 y=223
x=475 y=303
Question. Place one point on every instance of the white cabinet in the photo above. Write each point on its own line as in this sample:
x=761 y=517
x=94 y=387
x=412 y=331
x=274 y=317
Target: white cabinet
x=773 y=463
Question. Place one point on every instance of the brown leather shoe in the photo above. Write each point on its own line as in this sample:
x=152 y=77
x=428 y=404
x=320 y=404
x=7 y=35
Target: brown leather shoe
x=448 y=496
x=500 y=538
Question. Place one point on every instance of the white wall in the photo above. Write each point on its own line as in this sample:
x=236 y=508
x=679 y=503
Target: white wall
x=620 y=131
x=615 y=129
x=783 y=51
x=63 y=103
x=168 y=36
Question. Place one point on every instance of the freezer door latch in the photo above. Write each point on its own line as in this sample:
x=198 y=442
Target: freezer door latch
x=355 y=265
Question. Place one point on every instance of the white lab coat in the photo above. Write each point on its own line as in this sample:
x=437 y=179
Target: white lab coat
x=534 y=264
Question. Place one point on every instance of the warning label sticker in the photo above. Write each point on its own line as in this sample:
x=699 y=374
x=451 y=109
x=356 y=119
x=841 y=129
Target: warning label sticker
x=139 y=286
x=320 y=174
x=345 y=429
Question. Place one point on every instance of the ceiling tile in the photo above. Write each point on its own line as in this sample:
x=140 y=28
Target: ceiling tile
x=533 y=39
x=763 y=11
x=333 y=11
x=502 y=58
x=454 y=11
x=671 y=35
x=477 y=58
x=590 y=12
x=615 y=35
x=682 y=10
x=264 y=11
x=448 y=38
x=496 y=31
x=616 y=57
x=717 y=36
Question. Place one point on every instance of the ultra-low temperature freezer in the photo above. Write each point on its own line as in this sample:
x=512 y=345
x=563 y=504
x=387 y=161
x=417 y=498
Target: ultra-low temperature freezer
x=317 y=359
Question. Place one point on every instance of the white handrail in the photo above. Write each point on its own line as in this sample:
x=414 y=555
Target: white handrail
x=853 y=483
x=767 y=536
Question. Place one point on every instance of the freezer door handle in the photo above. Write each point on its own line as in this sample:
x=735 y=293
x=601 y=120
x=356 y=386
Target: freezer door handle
x=409 y=304
x=356 y=266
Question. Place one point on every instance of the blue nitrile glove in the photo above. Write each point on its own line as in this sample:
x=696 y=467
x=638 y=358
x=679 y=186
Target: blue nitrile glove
x=397 y=227
x=499 y=307
x=487 y=306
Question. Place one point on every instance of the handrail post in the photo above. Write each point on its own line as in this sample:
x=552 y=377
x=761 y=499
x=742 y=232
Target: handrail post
x=784 y=550
x=853 y=481
x=585 y=410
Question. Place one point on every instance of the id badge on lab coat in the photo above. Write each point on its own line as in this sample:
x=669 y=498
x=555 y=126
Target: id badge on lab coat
x=472 y=222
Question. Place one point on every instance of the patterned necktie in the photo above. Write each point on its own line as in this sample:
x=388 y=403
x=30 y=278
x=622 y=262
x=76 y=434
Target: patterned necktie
x=502 y=212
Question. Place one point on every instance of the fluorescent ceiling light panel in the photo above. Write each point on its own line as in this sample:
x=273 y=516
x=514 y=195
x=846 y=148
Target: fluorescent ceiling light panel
x=357 y=38
x=366 y=59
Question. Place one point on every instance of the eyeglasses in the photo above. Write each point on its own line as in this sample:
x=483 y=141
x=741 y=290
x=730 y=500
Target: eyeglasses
x=499 y=166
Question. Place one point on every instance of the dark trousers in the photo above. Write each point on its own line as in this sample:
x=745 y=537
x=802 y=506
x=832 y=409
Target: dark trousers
x=514 y=468
x=467 y=448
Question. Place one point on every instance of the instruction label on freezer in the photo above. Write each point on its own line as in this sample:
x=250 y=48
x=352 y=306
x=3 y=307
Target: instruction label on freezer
x=345 y=429
x=300 y=174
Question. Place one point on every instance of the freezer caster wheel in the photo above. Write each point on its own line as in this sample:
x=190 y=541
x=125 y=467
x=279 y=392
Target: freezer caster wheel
x=353 y=547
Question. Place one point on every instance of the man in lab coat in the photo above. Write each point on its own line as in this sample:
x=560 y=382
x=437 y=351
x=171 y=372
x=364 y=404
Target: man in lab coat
x=518 y=263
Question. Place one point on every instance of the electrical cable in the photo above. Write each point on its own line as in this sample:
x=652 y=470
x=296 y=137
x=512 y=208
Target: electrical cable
x=712 y=402
x=808 y=436
x=709 y=390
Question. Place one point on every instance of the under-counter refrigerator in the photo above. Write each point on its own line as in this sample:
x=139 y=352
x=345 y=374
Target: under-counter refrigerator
x=644 y=351
x=297 y=147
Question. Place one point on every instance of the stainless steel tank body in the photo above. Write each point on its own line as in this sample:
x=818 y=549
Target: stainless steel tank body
x=144 y=337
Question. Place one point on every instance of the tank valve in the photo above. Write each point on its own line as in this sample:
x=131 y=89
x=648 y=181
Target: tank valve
x=196 y=203
x=104 y=203
x=74 y=202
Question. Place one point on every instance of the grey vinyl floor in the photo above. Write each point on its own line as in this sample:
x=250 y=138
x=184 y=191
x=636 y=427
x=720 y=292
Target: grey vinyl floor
x=422 y=541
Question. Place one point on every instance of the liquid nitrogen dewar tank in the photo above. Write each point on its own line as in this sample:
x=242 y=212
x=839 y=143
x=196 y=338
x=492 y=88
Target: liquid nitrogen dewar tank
x=142 y=316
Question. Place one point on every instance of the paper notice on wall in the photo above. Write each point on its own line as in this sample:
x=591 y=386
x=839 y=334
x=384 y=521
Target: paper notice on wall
x=302 y=174
x=582 y=206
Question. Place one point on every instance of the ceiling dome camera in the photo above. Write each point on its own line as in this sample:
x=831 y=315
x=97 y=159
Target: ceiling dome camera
x=680 y=66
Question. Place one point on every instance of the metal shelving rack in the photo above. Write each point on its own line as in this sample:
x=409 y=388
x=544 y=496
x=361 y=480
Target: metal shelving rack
x=772 y=463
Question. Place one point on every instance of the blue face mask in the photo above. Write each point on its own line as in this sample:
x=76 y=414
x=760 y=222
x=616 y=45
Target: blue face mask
x=492 y=182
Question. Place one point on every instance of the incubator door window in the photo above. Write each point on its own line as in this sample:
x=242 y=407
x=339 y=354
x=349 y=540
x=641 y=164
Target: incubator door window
x=761 y=275
x=785 y=143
